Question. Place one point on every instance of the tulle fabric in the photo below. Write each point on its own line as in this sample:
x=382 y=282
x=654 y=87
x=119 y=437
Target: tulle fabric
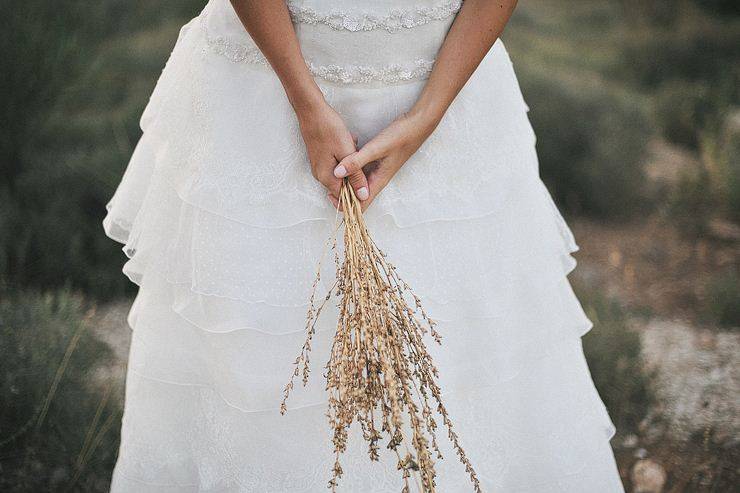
x=224 y=227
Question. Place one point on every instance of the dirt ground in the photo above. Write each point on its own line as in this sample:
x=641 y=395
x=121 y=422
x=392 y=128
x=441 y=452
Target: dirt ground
x=690 y=442
x=651 y=267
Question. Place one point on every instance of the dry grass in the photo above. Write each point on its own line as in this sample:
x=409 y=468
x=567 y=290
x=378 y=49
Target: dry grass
x=379 y=372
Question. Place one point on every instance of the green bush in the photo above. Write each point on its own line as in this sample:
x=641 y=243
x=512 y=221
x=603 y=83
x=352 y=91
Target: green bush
x=682 y=110
x=692 y=203
x=666 y=12
x=613 y=351
x=721 y=7
x=723 y=302
x=71 y=101
x=713 y=189
x=59 y=422
x=690 y=63
x=590 y=143
x=654 y=12
x=728 y=164
x=690 y=49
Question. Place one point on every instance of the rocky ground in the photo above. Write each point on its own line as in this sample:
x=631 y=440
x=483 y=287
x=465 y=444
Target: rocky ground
x=697 y=376
x=111 y=327
x=690 y=440
x=692 y=433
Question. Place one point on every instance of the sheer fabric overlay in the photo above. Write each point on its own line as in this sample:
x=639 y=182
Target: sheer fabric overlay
x=223 y=226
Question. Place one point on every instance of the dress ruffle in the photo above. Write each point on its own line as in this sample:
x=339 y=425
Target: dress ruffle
x=221 y=446
x=224 y=227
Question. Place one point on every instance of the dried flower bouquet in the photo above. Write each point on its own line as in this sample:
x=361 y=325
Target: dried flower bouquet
x=379 y=372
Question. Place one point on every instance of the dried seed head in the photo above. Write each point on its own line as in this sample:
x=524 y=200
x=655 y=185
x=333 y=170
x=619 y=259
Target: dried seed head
x=379 y=369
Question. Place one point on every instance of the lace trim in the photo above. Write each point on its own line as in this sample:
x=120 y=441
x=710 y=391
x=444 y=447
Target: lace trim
x=235 y=52
x=347 y=74
x=392 y=22
x=363 y=74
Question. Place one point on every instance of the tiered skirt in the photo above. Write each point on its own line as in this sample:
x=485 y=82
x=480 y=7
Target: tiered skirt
x=224 y=228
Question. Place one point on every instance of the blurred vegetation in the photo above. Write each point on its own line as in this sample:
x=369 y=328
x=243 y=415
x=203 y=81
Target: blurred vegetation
x=58 y=422
x=592 y=149
x=613 y=351
x=604 y=78
x=686 y=54
x=592 y=130
x=724 y=298
x=713 y=188
x=76 y=77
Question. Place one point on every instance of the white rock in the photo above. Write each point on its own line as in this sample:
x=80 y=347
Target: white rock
x=648 y=477
x=697 y=378
x=630 y=441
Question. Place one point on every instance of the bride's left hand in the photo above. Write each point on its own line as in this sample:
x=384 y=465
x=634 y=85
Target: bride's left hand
x=383 y=156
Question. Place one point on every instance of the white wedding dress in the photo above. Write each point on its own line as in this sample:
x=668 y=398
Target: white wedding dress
x=224 y=226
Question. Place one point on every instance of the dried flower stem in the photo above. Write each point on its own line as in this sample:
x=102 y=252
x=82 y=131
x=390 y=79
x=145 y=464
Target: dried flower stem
x=379 y=372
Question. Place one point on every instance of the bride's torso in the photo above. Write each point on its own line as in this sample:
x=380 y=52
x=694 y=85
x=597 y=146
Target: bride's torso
x=371 y=59
x=365 y=41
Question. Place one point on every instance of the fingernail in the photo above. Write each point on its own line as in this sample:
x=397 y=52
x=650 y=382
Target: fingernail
x=340 y=171
x=362 y=193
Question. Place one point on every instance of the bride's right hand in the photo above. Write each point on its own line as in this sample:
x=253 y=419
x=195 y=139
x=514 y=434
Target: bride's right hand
x=328 y=141
x=325 y=134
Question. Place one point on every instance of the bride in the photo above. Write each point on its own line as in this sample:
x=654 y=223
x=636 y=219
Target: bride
x=262 y=109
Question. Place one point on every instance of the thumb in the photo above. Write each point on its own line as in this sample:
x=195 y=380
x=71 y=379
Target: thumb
x=357 y=160
x=358 y=181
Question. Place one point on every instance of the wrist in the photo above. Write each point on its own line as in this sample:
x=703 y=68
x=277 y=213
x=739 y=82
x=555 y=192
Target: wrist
x=427 y=113
x=306 y=98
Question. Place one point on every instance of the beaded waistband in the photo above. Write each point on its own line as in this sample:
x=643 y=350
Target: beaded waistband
x=393 y=21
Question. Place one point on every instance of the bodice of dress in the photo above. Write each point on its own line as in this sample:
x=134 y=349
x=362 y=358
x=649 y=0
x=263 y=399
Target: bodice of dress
x=347 y=41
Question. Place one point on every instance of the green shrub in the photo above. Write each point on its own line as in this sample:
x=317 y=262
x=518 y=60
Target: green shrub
x=688 y=59
x=654 y=12
x=713 y=189
x=683 y=110
x=613 y=351
x=733 y=186
x=692 y=49
x=71 y=99
x=721 y=7
x=723 y=301
x=39 y=52
x=59 y=422
x=590 y=143
x=728 y=164
x=665 y=12
x=692 y=203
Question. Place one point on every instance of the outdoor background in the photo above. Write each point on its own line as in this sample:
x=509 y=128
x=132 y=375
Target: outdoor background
x=636 y=108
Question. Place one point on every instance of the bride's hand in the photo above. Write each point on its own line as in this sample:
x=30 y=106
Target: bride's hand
x=327 y=141
x=384 y=155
